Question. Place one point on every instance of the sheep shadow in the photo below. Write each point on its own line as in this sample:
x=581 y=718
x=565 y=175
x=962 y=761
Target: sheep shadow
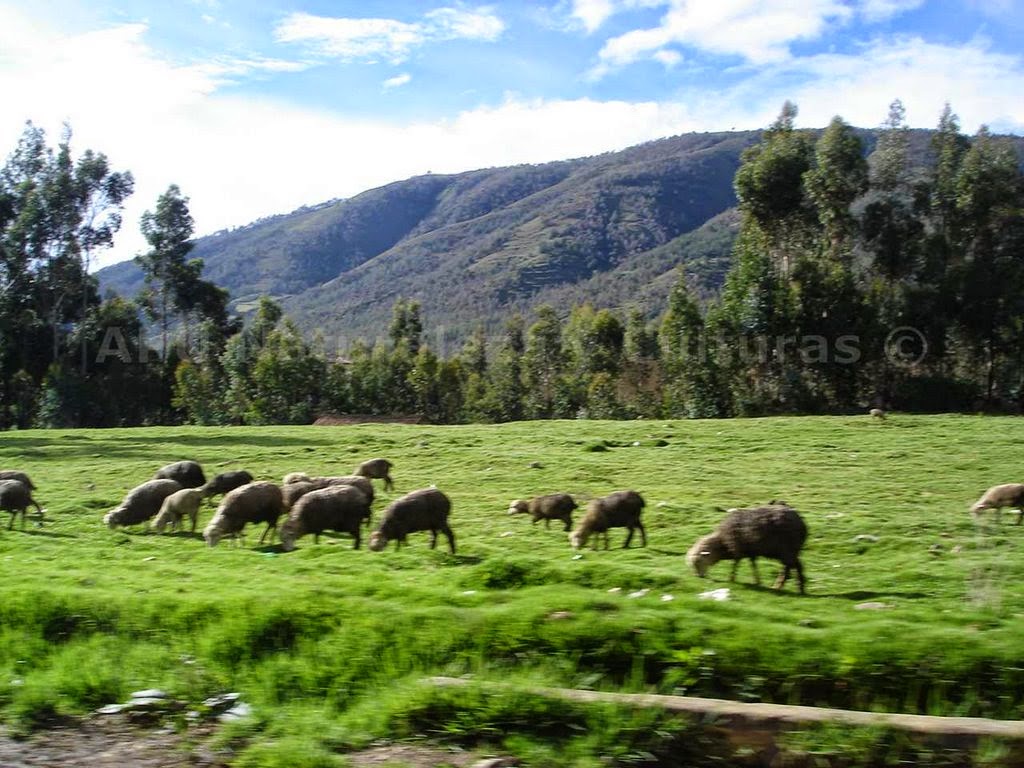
x=195 y=535
x=862 y=594
x=48 y=534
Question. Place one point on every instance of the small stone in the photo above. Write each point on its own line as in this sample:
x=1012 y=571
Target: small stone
x=667 y=598
x=636 y=443
x=661 y=504
x=614 y=590
x=559 y=615
x=639 y=593
x=496 y=762
x=871 y=606
x=834 y=515
x=111 y=709
x=577 y=557
x=237 y=712
x=506 y=534
x=718 y=595
x=469 y=592
x=536 y=465
x=808 y=623
x=865 y=537
x=148 y=559
x=224 y=701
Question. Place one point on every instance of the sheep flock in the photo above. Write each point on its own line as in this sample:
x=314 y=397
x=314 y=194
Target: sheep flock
x=342 y=504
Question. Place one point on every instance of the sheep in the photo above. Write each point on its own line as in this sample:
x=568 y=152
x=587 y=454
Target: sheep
x=775 y=531
x=338 y=507
x=998 y=496
x=260 y=502
x=377 y=469
x=188 y=473
x=21 y=477
x=295 y=477
x=296 y=489
x=616 y=510
x=554 y=506
x=226 y=482
x=424 y=510
x=179 y=504
x=141 y=503
x=15 y=497
x=877 y=413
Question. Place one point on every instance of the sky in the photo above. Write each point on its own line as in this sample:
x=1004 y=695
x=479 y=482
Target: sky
x=259 y=107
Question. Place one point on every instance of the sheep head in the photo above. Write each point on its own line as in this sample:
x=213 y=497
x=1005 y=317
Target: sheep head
x=518 y=507
x=213 y=534
x=377 y=541
x=290 y=531
x=114 y=517
x=705 y=553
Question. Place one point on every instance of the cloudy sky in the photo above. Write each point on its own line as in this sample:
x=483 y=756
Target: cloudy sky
x=262 y=106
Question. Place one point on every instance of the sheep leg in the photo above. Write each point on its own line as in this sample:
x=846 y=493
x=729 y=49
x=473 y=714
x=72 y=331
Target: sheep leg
x=783 y=576
x=629 y=538
x=643 y=534
x=547 y=523
x=757 y=576
x=14 y=515
x=316 y=538
x=356 y=536
x=41 y=513
x=433 y=538
x=800 y=575
x=388 y=484
x=568 y=525
x=1020 y=515
x=195 y=516
x=735 y=565
x=451 y=538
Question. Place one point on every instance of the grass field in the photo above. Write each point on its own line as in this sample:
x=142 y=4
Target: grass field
x=328 y=644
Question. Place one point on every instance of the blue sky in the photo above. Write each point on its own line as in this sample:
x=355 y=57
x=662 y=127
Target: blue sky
x=256 y=108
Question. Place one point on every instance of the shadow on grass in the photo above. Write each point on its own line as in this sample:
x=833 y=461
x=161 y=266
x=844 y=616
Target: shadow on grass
x=50 y=534
x=195 y=535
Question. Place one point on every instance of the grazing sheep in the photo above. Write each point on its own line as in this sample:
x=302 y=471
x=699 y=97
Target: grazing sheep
x=177 y=506
x=295 y=490
x=260 y=502
x=877 y=413
x=775 y=531
x=377 y=469
x=21 y=477
x=998 y=496
x=616 y=510
x=188 y=473
x=226 y=482
x=423 y=510
x=337 y=508
x=295 y=477
x=141 y=503
x=15 y=497
x=554 y=506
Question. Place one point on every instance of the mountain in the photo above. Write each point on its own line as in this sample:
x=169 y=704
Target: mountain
x=474 y=247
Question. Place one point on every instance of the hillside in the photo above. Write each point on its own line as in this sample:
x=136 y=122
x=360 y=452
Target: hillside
x=477 y=246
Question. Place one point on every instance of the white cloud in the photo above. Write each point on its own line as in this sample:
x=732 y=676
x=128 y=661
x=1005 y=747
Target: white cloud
x=397 y=81
x=240 y=157
x=352 y=39
x=592 y=13
x=880 y=10
x=668 y=57
x=759 y=31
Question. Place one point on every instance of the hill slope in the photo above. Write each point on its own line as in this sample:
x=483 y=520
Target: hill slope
x=477 y=246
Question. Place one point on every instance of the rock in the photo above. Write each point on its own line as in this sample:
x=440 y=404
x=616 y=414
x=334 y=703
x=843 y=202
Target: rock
x=720 y=595
x=871 y=606
x=834 y=515
x=469 y=592
x=667 y=598
x=560 y=615
x=223 y=702
x=614 y=590
x=149 y=559
x=110 y=709
x=865 y=537
x=505 y=535
x=149 y=693
x=636 y=443
x=237 y=712
x=496 y=762
x=639 y=593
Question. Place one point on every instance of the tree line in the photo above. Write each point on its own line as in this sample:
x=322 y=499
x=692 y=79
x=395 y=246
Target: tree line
x=858 y=279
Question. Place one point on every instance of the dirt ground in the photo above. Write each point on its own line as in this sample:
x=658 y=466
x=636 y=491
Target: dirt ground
x=115 y=743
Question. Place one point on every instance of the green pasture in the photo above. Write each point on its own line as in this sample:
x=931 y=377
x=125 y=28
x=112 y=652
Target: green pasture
x=329 y=644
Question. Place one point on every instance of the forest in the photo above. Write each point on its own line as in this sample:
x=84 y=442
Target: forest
x=858 y=279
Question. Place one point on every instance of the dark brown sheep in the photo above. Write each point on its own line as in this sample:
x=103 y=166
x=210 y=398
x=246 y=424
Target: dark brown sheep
x=423 y=510
x=188 y=473
x=141 y=503
x=377 y=469
x=616 y=510
x=16 y=497
x=21 y=477
x=554 y=506
x=226 y=482
x=255 y=503
x=775 y=531
x=998 y=496
x=340 y=508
